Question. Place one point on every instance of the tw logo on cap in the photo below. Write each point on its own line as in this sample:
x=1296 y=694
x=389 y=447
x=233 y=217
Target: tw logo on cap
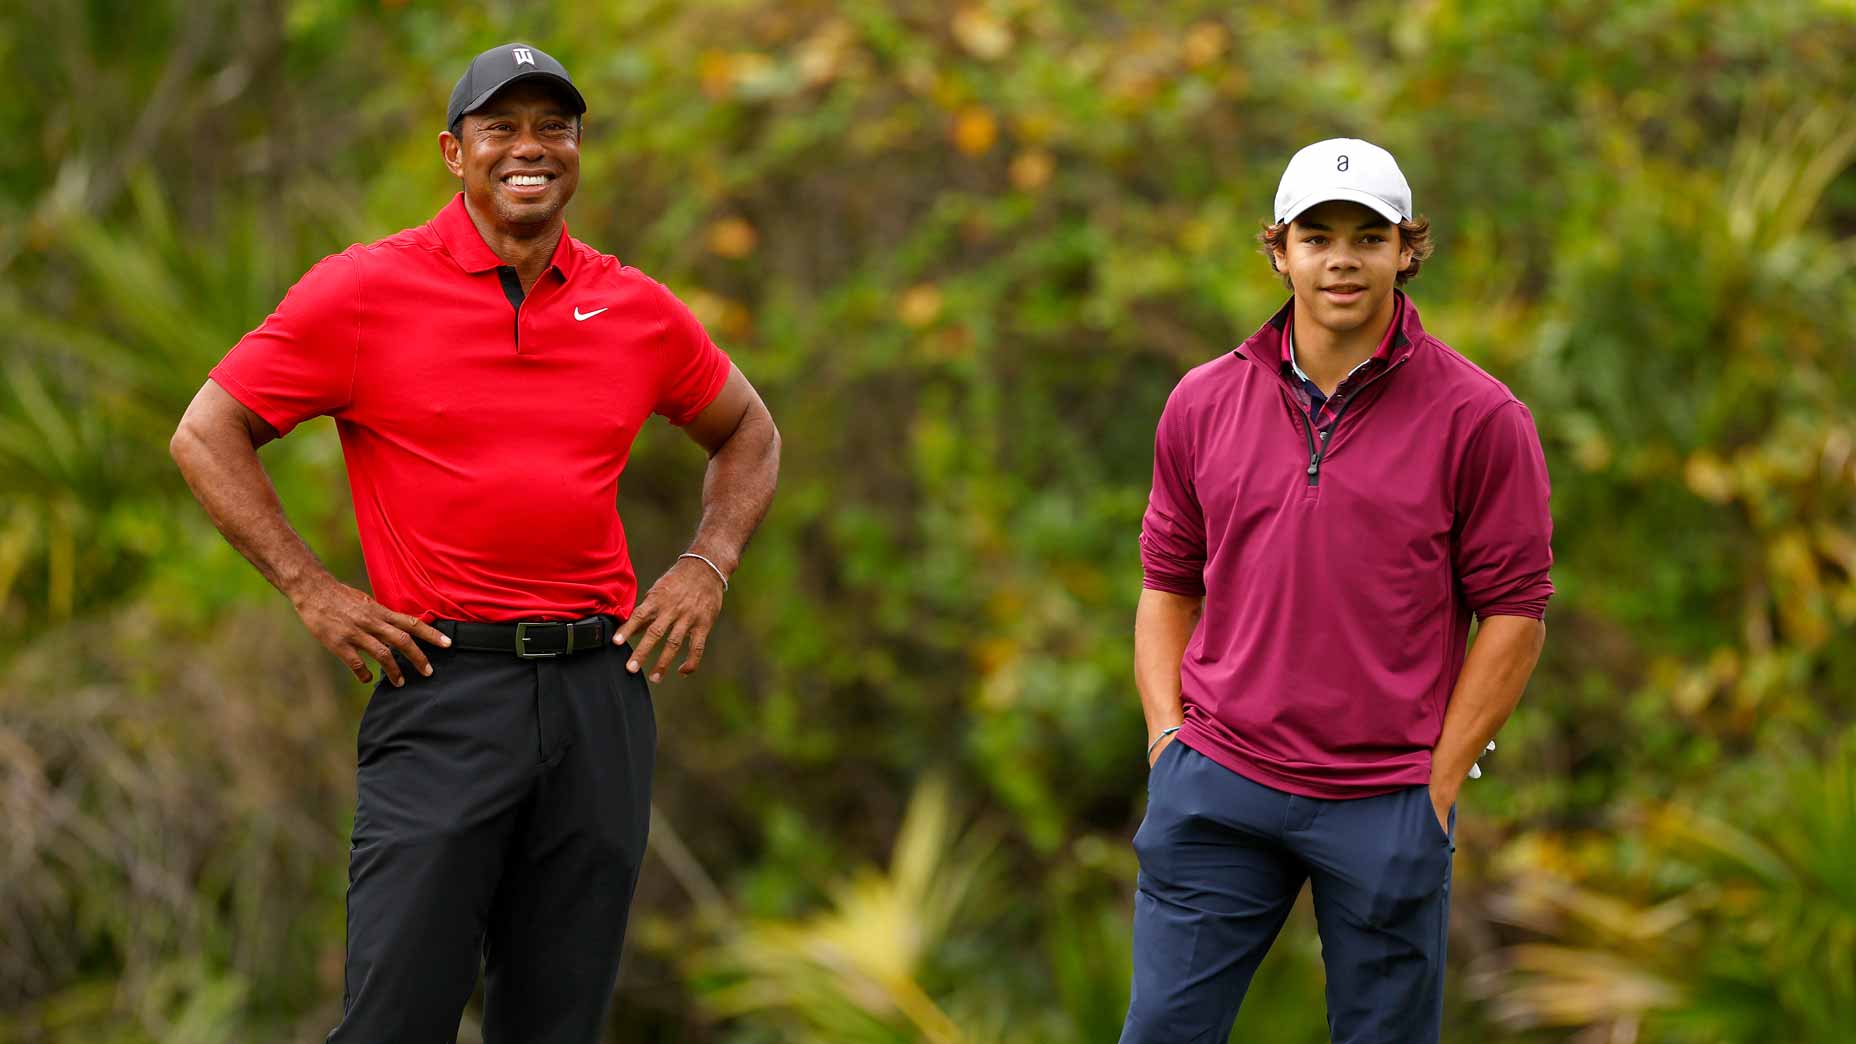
x=524 y=56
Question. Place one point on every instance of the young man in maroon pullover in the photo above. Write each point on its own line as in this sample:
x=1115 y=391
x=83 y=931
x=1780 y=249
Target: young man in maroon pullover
x=1331 y=504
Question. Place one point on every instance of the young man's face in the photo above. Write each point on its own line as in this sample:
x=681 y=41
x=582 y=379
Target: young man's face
x=1343 y=260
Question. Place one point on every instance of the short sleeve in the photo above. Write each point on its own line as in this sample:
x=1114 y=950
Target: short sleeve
x=694 y=369
x=1504 y=529
x=1173 y=530
x=299 y=363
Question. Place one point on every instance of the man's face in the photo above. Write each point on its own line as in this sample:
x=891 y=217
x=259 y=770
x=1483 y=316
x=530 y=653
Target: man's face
x=519 y=156
x=1343 y=260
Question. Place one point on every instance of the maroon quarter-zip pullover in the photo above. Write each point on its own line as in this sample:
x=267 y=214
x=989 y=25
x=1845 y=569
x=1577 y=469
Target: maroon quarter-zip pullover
x=1340 y=564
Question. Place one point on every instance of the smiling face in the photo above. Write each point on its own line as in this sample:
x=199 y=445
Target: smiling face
x=1342 y=259
x=519 y=156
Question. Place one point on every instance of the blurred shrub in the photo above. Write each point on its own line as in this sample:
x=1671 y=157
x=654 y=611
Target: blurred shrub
x=1735 y=920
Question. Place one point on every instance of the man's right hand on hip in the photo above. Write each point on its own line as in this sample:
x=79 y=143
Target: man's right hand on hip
x=350 y=624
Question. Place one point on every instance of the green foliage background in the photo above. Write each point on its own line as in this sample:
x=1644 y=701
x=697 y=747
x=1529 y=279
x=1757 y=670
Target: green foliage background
x=964 y=251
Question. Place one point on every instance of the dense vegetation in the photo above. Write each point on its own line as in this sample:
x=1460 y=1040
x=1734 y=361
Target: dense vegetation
x=964 y=251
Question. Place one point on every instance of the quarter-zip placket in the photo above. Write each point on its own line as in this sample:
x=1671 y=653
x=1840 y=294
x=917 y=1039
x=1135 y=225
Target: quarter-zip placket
x=1317 y=452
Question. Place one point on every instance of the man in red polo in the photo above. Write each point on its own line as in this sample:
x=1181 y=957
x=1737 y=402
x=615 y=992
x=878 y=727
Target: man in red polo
x=1332 y=502
x=487 y=374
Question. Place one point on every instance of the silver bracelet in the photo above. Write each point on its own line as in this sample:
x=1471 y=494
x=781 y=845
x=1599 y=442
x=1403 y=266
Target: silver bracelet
x=711 y=565
x=1164 y=733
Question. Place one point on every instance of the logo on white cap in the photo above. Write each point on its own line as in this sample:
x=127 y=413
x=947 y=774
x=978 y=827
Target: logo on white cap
x=1345 y=169
x=524 y=56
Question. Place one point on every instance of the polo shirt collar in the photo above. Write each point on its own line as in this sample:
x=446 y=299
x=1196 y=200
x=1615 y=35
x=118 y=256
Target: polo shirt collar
x=1394 y=340
x=466 y=246
x=1264 y=348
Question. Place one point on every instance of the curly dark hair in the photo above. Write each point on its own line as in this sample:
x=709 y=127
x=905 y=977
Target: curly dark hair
x=1415 y=233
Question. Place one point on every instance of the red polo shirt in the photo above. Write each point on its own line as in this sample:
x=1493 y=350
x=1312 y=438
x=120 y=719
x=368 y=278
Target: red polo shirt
x=484 y=440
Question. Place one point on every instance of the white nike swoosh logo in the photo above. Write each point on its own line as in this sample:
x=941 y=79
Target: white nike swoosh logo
x=584 y=316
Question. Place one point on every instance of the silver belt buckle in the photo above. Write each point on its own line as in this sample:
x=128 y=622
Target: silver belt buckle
x=522 y=639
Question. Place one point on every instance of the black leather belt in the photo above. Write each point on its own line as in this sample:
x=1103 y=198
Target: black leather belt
x=531 y=639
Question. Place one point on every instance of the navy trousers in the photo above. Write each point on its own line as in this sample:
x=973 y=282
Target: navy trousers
x=1222 y=861
x=500 y=821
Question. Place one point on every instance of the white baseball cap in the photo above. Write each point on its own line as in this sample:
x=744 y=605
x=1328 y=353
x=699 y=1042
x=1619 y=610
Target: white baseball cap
x=1344 y=168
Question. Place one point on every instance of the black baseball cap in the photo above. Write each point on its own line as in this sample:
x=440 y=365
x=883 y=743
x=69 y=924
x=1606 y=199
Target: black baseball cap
x=501 y=66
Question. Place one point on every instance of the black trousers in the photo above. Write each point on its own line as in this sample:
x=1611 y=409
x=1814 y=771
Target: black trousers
x=500 y=821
